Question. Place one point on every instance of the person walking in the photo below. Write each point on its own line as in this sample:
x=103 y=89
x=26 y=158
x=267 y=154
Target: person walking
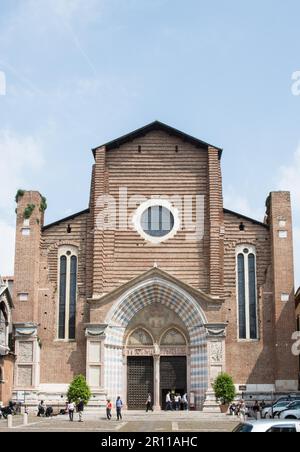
x=71 y=409
x=177 y=402
x=149 y=403
x=80 y=408
x=108 y=410
x=243 y=410
x=256 y=410
x=185 y=402
x=119 y=406
x=168 y=402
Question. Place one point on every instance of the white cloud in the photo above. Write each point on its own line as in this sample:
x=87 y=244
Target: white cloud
x=20 y=158
x=7 y=248
x=18 y=155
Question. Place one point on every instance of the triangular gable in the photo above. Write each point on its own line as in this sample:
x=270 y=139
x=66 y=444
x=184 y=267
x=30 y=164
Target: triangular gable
x=156 y=125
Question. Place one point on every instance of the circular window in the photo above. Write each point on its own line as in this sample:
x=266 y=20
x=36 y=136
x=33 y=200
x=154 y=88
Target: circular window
x=156 y=220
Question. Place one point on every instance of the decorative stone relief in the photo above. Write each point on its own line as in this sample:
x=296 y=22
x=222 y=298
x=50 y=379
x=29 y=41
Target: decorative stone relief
x=96 y=331
x=173 y=337
x=25 y=354
x=216 y=352
x=216 y=329
x=140 y=337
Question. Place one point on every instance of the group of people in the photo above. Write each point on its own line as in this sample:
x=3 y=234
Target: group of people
x=44 y=410
x=12 y=408
x=242 y=410
x=176 y=402
x=79 y=409
x=109 y=407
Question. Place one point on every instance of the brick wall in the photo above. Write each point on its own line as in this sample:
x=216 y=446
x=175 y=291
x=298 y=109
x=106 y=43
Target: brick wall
x=6 y=387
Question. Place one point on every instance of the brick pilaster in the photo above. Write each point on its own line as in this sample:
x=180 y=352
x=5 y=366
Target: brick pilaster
x=216 y=223
x=27 y=258
x=280 y=220
x=99 y=189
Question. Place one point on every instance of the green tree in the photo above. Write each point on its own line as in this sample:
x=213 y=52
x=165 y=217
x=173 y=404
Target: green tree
x=224 y=388
x=79 y=390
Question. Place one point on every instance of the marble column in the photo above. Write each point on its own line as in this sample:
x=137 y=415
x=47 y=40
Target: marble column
x=157 y=406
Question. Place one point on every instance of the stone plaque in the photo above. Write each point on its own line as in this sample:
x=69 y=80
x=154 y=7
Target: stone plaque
x=24 y=376
x=25 y=354
x=95 y=376
x=95 y=352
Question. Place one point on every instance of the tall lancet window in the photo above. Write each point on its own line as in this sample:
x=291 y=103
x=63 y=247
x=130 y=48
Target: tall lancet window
x=247 y=293
x=68 y=264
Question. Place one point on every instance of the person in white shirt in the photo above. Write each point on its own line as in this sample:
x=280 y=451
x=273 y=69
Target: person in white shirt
x=71 y=409
x=177 y=402
x=184 y=402
x=168 y=402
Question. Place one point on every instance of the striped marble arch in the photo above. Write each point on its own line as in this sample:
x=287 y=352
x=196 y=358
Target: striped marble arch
x=156 y=290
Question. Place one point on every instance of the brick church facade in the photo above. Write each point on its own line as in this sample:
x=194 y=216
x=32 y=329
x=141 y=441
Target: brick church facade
x=155 y=286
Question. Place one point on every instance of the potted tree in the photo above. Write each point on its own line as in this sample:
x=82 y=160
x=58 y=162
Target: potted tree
x=224 y=390
x=79 y=390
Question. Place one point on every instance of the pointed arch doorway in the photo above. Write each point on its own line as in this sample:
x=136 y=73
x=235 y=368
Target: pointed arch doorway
x=158 y=290
x=156 y=353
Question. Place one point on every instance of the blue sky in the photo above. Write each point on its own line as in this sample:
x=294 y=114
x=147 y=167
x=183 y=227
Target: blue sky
x=81 y=72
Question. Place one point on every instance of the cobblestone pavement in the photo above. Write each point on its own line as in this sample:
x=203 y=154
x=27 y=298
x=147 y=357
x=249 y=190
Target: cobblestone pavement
x=132 y=422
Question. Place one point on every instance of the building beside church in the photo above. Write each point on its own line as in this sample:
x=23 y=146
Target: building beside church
x=156 y=286
x=7 y=357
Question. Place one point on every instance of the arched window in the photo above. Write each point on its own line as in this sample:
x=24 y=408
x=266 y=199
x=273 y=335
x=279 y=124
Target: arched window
x=247 y=293
x=1 y=375
x=67 y=292
x=3 y=326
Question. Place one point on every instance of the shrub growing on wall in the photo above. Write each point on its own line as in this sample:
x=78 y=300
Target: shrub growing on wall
x=28 y=211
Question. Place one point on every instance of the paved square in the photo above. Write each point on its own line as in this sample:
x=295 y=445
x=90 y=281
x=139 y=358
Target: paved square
x=132 y=422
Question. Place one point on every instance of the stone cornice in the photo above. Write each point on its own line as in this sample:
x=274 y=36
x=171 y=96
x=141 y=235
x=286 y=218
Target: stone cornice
x=95 y=330
x=216 y=329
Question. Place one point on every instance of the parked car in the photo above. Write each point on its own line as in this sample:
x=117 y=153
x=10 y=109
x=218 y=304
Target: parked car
x=269 y=426
x=275 y=410
x=291 y=398
x=292 y=412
